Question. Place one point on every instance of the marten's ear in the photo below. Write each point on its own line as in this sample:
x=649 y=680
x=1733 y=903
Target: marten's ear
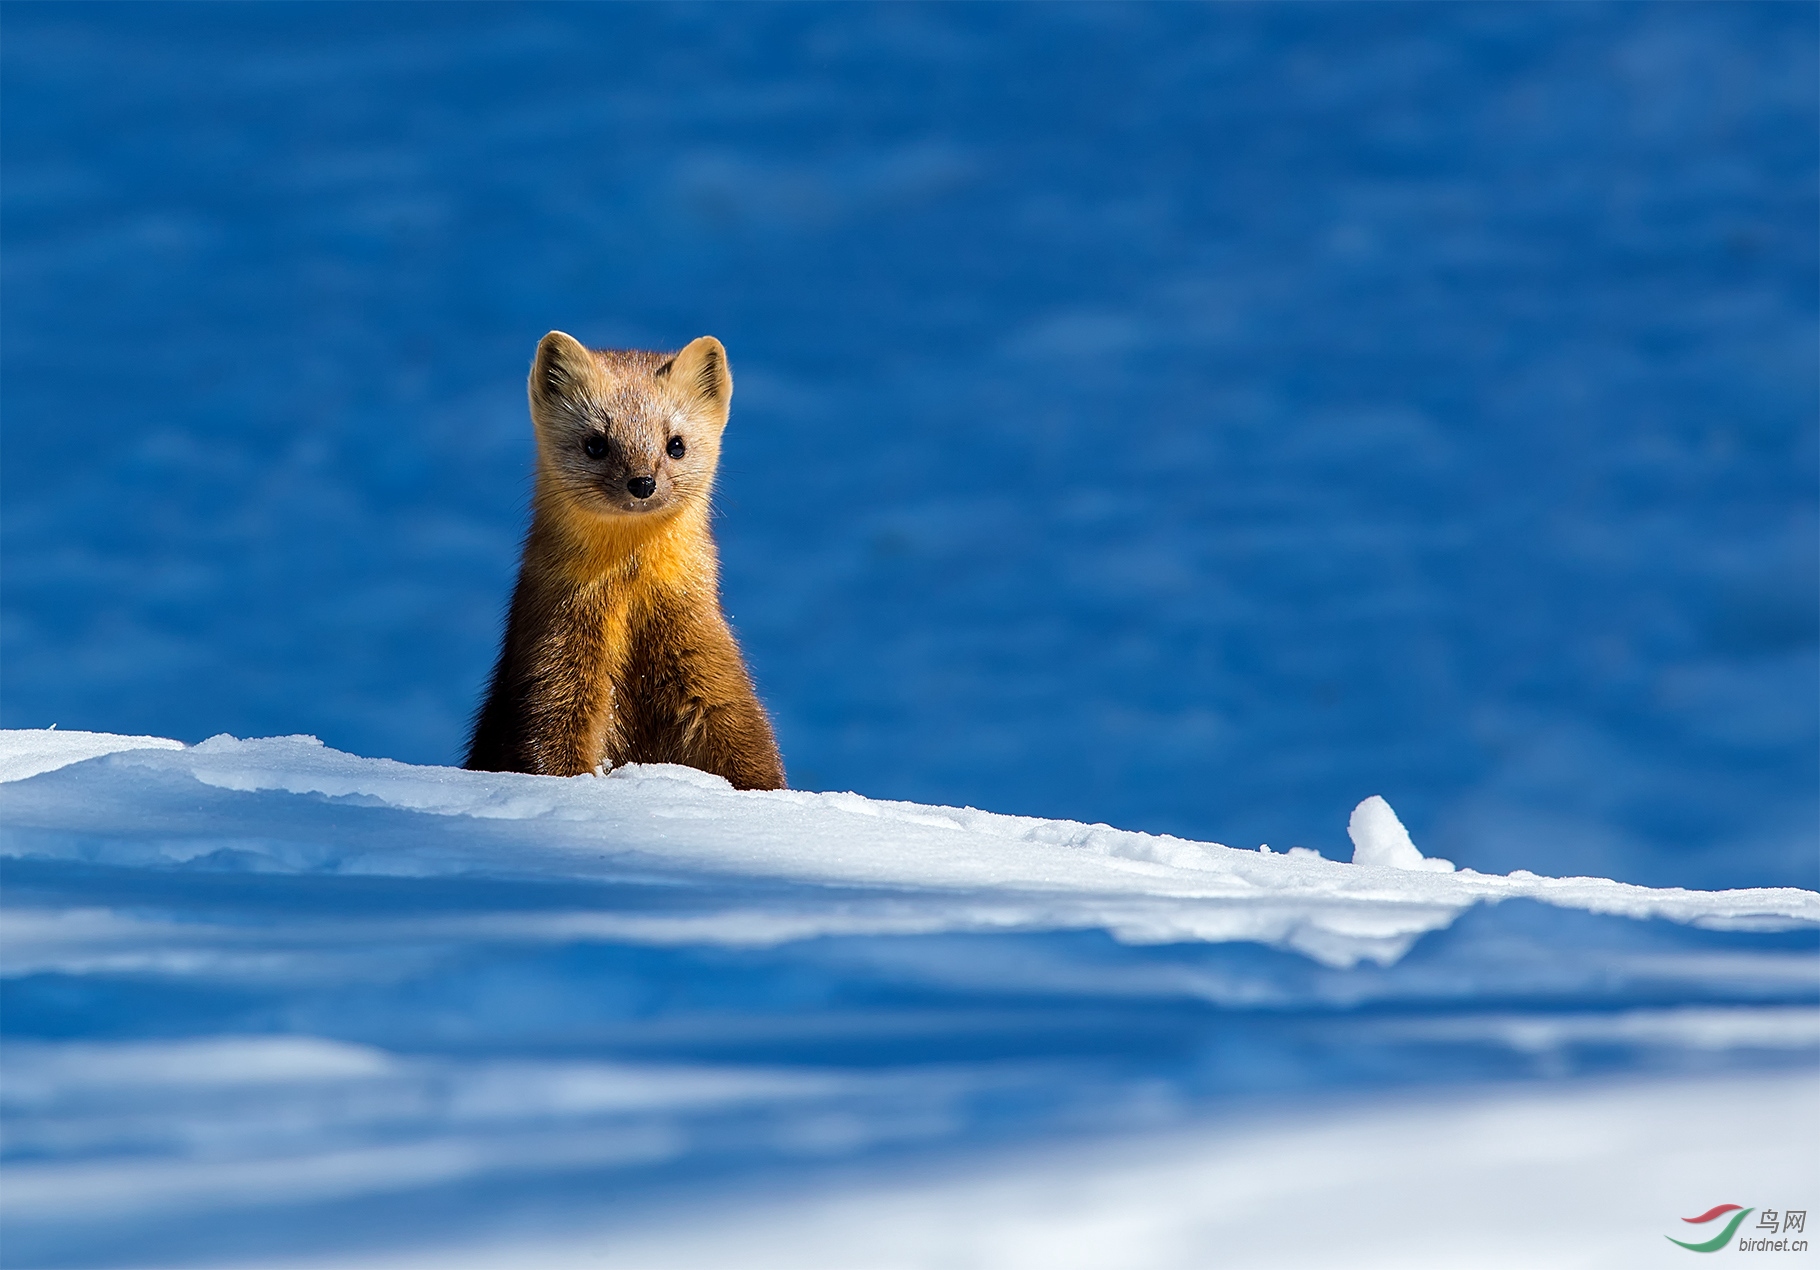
x=563 y=371
x=701 y=372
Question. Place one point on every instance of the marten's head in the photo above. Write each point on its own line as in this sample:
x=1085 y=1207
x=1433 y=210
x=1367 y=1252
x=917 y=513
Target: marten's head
x=627 y=434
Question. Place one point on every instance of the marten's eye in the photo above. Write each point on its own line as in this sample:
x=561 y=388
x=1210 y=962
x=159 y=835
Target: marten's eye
x=675 y=448
x=595 y=447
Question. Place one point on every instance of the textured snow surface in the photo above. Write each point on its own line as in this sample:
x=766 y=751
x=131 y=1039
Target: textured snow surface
x=1601 y=1173
x=919 y=869
x=25 y=754
x=269 y=1002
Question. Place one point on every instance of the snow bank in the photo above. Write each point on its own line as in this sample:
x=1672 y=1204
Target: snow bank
x=267 y=1001
x=834 y=862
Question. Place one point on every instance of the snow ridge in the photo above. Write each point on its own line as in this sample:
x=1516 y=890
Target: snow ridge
x=782 y=865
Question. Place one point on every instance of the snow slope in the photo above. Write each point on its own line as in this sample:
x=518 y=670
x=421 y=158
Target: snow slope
x=269 y=1001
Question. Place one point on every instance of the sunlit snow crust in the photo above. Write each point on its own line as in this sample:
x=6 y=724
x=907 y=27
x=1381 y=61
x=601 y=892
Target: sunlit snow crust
x=923 y=869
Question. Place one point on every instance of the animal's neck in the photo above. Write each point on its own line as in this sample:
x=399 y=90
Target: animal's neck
x=582 y=551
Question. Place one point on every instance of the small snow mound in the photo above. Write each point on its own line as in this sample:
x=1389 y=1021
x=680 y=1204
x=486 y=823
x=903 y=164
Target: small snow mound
x=693 y=777
x=1379 y=838
x=32 y=752
x=228 y=743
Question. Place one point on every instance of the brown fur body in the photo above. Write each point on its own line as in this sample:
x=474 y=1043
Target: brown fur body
x=616 y=650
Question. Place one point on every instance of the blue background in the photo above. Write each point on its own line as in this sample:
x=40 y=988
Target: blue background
x=1191 y=418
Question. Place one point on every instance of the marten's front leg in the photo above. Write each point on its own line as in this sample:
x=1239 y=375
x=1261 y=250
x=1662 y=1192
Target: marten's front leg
x=566 y=735
x=572 y=717
x=695 y=704
x=734 y=740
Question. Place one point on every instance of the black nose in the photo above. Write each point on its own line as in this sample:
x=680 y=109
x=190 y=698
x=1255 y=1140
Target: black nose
x=642 y=486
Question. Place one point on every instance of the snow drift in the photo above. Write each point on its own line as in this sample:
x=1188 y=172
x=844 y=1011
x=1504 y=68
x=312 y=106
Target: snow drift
x=914 y=868
x=268 y=1001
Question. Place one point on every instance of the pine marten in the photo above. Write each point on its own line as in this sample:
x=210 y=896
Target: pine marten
x=616 y=650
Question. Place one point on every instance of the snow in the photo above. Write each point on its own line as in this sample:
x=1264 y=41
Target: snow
x=935 y=868
x=1379 y=838
x=1601 y=1175
x=45 y=750
x=269 y=1003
